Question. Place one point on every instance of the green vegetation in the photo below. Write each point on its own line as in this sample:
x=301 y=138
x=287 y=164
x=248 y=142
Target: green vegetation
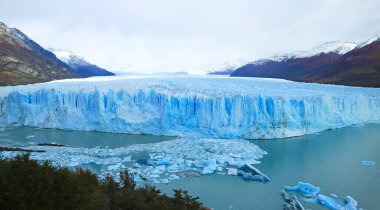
x=27 y=184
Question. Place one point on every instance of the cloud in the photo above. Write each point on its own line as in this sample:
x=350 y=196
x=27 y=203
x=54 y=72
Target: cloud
x=194 y=36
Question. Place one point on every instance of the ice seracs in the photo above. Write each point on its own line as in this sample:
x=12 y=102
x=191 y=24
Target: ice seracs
x=200 y=106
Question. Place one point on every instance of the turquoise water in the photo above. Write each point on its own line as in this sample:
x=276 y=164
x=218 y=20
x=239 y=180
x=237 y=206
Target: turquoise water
x=330 y=160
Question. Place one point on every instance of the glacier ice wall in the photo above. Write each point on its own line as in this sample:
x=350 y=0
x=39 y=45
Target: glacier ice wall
x=190 y=106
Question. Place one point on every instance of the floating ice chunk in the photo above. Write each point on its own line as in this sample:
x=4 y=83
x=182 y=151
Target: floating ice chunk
x=127 y=159
x=154 y=176
x=163 y=162
x=188 y=163
x=232 y=171
x=249 y=176
x=305 y=188
x=208 y=170
x=247 y=160
x=173 y=168
x=210 y=163
x=164 y=181
x=173 y=177
x=247 y=171
x=311 y=200
x=368 y=163
x=291 y=203
x=209 y=166
x=114 y=167
x=351 y=203
x=29 y=136
x=329 y=202
x=333 y=195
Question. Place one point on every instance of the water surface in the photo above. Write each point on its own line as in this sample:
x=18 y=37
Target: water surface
x=330 y=160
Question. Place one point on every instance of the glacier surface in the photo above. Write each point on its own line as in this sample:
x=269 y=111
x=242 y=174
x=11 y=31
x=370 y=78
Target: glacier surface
x=200 y=106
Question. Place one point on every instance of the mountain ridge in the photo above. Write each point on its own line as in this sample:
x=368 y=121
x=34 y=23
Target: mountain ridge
x=24 y=61
x=326 y=63
x=20 y=64
x=79 y=64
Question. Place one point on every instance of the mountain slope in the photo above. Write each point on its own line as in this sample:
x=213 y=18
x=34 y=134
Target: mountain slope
x=341 y=63
x=79 y=64
x=23 y=61
x=359 y=67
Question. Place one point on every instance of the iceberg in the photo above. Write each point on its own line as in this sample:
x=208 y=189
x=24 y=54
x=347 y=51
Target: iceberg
x=312 y=195
x=249 y=172
x=305 y=188
x=329 y=202
x=199 y=106
x=368 y=163
x=209 y=166
x=351 y=203
x=290 y=203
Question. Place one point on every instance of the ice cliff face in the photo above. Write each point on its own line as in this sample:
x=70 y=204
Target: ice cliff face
x=218 y=107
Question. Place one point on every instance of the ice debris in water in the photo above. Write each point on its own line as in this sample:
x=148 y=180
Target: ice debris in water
x=290 y=202
x=351 y=203
x=248 y=172
x=305 y=188
x=368 y=163
x=164 y=161
x=332 y=203
x=329 y=202
x=313 y=196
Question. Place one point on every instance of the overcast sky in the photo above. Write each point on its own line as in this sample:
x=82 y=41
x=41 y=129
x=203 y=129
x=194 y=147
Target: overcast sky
x=194 y=35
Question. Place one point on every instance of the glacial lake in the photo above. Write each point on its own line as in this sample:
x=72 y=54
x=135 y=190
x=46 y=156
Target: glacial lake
x=330 y=160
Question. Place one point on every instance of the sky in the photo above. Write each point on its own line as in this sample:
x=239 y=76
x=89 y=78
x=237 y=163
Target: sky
x=194 y=36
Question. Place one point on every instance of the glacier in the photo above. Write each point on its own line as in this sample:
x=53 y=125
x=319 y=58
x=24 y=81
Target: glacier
x=198 y=106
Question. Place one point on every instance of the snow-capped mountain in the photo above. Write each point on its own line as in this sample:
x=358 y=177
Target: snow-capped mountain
x=79 y=64
x=369 y=41
x=336 y=47
x=326 y=63
x=280 y=57
x=23 y=61
x=225 y=69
